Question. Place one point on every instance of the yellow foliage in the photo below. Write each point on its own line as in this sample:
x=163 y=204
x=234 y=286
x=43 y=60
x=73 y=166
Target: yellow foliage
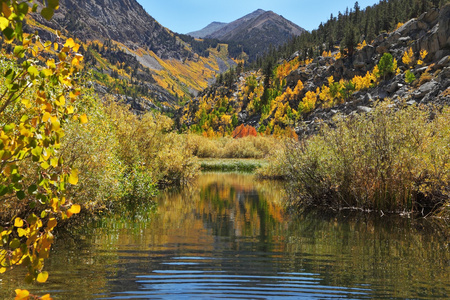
x=408 y=57
x=398 y=25
x=308 y=102
x=361 y=45
x=286 y=68
x=423 y=54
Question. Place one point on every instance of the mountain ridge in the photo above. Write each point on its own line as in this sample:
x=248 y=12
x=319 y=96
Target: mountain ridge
x=254 y=32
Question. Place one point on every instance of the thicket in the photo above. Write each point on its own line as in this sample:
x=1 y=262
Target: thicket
x=390 y=160
x=228 y=147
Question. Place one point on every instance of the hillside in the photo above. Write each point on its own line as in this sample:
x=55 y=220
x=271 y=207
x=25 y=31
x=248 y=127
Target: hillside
x=141 y=61
x=411 y=65
x=254 y=32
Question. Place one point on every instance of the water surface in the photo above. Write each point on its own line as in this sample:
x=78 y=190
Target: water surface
x=230 y=238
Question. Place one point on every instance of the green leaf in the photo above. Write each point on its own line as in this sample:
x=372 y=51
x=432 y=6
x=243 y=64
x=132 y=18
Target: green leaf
x=15 y=243
x=18 y=30
x=54 y=4
x=9 y=33
x=19 y=51
x=36 y=152
x=23 y=10
x=32 y=188
x=47 y=13
x=20 y=195
x=3 y=190
x=8 y=128
x=10 y=74
x=32 y=70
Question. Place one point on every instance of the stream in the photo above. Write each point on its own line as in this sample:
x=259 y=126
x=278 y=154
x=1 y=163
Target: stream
x=229 y=237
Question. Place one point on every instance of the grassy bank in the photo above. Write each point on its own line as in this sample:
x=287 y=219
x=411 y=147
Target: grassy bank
x=390 y=160
x=231 y=164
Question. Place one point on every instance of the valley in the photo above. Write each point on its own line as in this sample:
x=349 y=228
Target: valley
x=112 y=127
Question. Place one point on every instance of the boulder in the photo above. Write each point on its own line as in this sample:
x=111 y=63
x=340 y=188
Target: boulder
x=425 y=89
x=407 y=28
x=363 y=109
x=431 y=17
x=444 y=27
x=444 y=62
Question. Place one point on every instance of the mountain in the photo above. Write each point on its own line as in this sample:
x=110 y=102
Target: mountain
x=254 y=32
x=132 y=55
x=409 y=65
x=211 y=28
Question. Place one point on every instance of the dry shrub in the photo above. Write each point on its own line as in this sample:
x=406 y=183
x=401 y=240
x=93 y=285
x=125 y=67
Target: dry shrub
x=424 y=78
x=228 y=147
x=390 y=160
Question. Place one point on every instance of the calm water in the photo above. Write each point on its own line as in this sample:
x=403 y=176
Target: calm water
x=229 y=238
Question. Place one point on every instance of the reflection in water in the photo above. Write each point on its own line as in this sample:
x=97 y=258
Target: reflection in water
x=228 y=237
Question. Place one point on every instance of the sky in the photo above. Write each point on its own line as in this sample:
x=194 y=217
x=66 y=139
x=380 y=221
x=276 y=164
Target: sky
x=183 y=16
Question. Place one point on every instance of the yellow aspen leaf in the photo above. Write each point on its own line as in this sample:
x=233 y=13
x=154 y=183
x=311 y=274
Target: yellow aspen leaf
x=51 y=63
x=61 y=101
x=55 y=46
x=47 y=72
x=54 y=162
x=26 y=102
x=22 y=232
x=74 y=209
x=73 y=178
x=51 y=223
x=83 y=119
x=55 y=204
x=4 y=23
x=45 y=117
x=46 y=297
x=69 y=43
x=42 y=277
x=2 y=270
x=22 y=294
x=18 y=222
x=70 y=109
x=56 y=125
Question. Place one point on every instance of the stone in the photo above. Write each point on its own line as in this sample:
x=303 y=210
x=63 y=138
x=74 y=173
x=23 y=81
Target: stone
x=408 y=27
x=404 y=40
x=432 y=16
x=444 y=27
x=393 y=87
x=444 y=62
x=363 y=109
x=425 y=89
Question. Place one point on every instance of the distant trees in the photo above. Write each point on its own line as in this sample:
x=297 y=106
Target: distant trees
x=349 y=28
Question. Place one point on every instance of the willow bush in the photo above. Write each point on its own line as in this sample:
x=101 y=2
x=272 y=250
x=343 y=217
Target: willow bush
x=391 y=160
x=227 y=147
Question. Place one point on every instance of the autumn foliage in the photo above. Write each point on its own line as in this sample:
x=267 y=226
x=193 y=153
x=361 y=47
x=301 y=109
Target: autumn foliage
x=244 y=130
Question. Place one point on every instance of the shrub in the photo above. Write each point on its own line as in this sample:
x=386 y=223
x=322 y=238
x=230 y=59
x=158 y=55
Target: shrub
x=390 y=160
x=228 y=147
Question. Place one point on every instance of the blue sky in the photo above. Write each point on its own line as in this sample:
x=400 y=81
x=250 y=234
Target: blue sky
x=184 y=16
